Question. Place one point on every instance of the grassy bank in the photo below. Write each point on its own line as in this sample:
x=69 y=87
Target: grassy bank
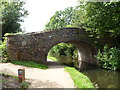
x=79 y=79
x=30 y=64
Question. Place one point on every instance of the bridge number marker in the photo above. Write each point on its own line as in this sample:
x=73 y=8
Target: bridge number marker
x=21 y=75
x=23 y=43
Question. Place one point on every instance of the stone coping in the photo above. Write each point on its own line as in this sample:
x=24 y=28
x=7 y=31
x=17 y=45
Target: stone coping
x=48 y=30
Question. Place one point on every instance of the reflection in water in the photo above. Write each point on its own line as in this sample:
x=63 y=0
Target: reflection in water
x=103 y=78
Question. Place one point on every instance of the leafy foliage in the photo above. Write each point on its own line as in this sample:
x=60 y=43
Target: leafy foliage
x=63 y=52
x=62 y=19
x=12 y=15
x=102 y=21
x=3 y=49
x=103 y=18
x=109 y=58
x=63 y=49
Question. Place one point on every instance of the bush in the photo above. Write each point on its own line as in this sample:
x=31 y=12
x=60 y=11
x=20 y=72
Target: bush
x=109 y=58
x=3 y=49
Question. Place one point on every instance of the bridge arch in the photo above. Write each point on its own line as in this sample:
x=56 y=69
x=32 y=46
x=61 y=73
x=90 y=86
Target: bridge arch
x=86 y=52
x=35 y=46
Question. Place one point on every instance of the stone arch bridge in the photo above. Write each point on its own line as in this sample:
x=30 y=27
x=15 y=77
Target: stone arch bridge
x=36 y=45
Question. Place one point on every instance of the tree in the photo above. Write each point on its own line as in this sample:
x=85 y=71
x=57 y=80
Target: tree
x=79 y=16
x=102 y=21
x=12 y=14
x=61 y=19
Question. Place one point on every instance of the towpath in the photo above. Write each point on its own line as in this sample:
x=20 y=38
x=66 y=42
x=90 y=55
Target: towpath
x=54 y=77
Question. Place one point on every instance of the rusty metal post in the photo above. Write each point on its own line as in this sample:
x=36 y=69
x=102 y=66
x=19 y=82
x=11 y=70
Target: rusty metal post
x=21 y=75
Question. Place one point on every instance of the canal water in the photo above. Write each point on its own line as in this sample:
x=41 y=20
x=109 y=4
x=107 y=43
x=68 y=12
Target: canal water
x=104 y=78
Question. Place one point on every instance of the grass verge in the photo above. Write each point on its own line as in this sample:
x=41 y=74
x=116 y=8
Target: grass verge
x=30 y=64
x=79 y=79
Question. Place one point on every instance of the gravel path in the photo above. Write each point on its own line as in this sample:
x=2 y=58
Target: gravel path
x=53 y=77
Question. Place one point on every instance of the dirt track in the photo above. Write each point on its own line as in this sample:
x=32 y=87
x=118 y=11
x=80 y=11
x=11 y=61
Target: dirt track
x=53 y=77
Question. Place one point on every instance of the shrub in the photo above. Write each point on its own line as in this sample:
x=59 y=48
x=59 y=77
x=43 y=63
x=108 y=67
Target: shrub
x=109 y=58
x=3 y=51
x=3 y=48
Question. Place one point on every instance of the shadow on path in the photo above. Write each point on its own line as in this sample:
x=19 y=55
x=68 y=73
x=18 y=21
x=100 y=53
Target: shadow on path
x=54 y=64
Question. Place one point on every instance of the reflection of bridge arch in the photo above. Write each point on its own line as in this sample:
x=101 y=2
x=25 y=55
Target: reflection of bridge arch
x=35 y=46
